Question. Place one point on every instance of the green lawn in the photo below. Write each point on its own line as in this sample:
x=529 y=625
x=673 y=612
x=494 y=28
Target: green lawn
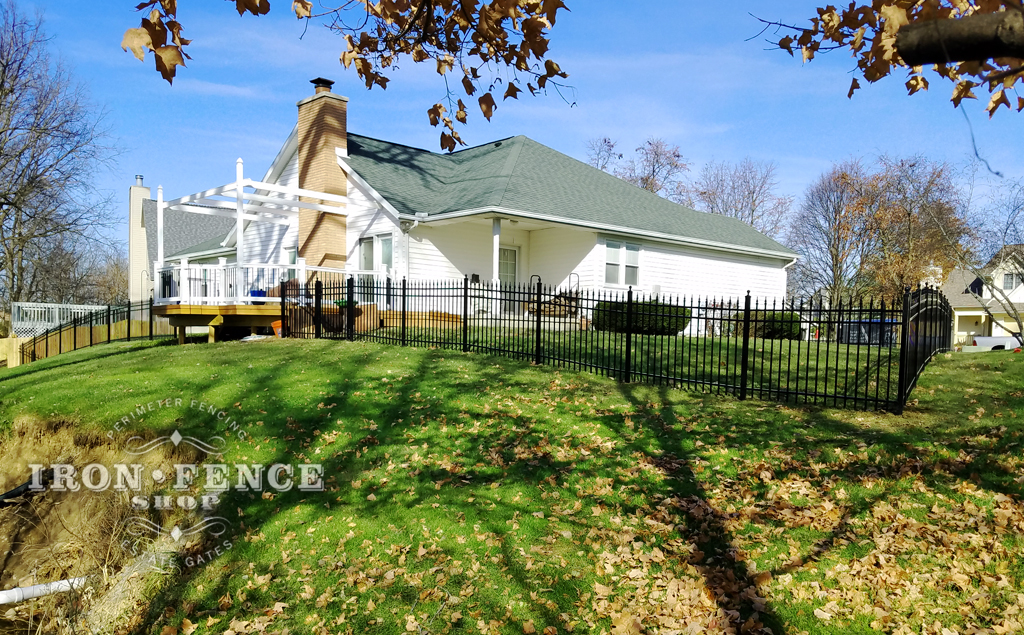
x=476 y=494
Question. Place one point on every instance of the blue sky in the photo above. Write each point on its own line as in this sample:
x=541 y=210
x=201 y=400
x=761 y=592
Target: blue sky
x=684 y=71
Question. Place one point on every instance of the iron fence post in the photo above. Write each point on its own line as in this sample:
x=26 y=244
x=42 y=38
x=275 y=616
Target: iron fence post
x=465 y=314
x=128 y=322
x=92 y=323
x=151 y=318
x=284 y=298
x=404 y=295
x=318 y=298
x=350 y=313
x=745 y=360
x=108 y=323
x=627 y=372
x=904 y=353
x=538 y=353
x=74 y=332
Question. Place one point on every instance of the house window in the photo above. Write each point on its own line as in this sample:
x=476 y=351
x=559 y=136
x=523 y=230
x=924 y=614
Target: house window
x=621 y=263
x=1008 y=281
x=366 y=254
x=376 y=253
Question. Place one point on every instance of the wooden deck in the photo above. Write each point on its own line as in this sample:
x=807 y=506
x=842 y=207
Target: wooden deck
x=215 y=316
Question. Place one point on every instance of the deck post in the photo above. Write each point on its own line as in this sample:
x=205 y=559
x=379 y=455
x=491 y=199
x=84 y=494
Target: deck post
x=239 y=223
x=159 y=228
x=184 y=283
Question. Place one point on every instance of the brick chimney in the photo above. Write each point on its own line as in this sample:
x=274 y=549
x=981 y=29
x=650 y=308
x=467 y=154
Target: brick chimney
x=321 y=129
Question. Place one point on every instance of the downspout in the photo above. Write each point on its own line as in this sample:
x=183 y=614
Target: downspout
x=21 y=594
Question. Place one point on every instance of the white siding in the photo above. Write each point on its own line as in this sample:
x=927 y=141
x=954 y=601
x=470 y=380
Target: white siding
x=558 y=252
x=364 y=219
x=679 y=270
x=464 y=249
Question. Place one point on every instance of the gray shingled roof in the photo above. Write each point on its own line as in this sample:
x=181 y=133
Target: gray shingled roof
x=184 y=232
x=955 y=290
x=521 y=174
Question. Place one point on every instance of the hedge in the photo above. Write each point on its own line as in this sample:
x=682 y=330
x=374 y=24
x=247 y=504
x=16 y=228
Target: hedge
x=770 y=325
x=649 y=318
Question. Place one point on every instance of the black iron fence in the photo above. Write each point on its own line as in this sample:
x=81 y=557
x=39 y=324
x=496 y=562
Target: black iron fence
x=863 y=353
x=109 y=324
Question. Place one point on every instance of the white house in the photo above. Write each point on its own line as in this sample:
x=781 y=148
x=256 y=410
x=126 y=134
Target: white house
x=504 y=211
x=978 y=313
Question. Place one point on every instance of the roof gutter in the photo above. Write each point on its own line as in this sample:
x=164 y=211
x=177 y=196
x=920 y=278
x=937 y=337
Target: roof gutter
x=670 y=238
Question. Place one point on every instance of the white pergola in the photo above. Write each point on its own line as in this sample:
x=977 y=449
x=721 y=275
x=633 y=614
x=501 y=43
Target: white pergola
x=246 y=200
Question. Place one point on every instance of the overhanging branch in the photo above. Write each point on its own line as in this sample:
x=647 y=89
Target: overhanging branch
x=974 y=38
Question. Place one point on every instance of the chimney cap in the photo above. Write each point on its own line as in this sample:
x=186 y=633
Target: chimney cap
x=322 y=85
x=138 y=180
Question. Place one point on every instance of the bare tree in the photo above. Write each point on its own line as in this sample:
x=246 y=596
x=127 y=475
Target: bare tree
x=601 y=153
x=110 y=278
x=829 y=231
x=915 y=211
x=656 y=168
x=51 y=145
x=745 y=191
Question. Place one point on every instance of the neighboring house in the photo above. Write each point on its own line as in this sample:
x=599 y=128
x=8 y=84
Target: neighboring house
x=505 y=212
x=973 y=302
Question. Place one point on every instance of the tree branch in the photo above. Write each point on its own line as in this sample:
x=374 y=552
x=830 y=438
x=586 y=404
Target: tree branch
x=974 y=38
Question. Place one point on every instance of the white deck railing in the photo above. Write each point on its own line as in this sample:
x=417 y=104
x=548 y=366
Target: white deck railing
x=29 y=319
x=228 y=284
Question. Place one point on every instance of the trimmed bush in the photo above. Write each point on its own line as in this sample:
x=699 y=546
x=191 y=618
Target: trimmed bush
x=649 y=318
x=770 y=325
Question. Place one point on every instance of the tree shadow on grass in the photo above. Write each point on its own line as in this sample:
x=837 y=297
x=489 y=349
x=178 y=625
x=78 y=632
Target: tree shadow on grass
x=377 y=428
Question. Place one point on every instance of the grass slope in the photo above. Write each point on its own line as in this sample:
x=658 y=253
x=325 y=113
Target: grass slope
x=475 y=494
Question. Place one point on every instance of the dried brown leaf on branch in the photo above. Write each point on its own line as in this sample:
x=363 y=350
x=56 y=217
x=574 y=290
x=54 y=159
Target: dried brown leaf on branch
x=510 y=38
x=966 y=43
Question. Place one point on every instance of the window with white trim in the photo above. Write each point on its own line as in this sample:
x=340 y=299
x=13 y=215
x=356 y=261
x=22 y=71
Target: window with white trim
x=376 y=253
x=621 y=263
x=1011 y=282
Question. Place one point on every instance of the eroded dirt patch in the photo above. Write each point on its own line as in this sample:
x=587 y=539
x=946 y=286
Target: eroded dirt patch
x=56 y=535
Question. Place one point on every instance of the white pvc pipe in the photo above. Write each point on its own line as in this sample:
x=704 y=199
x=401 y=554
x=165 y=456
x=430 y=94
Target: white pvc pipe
x=21 y=594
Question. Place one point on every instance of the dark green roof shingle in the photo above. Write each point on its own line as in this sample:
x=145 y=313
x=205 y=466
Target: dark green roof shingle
x=521 y=174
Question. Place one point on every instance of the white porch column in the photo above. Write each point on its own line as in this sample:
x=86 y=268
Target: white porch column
x=496 y=240
x=185 y=284
x=240 y=209
x=159 y=227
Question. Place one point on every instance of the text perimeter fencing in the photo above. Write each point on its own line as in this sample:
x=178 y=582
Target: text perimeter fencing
x=864 y=353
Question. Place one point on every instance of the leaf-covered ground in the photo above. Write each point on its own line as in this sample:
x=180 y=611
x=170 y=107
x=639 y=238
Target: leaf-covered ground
x=471 y=494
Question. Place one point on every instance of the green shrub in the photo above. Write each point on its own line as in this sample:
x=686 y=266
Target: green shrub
x=770 y=325
x=649 y=318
